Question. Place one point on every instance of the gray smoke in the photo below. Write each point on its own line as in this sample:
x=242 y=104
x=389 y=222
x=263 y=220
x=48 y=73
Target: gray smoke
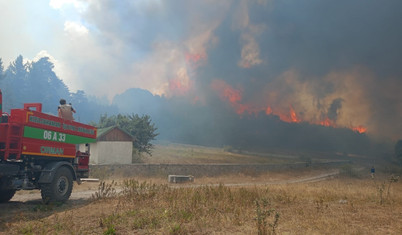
x=334 y=109
x=339 y=58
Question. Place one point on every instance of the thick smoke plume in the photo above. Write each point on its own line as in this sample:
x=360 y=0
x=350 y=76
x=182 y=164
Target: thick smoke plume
x=324 y=63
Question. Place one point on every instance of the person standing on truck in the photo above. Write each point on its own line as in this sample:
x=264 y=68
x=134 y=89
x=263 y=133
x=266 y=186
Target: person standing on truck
x=66 y=110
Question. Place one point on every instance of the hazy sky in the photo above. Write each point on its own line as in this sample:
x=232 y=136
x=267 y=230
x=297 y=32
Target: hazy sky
x=105 y=47
x=321 y=59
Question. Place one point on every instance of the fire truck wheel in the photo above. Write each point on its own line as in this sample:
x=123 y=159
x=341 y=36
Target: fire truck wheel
x=59 y=190
x=6 y=195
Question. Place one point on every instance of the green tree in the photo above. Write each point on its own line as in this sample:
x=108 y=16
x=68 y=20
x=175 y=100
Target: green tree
x=16 y=86
x=140 y=127
x=45 y=86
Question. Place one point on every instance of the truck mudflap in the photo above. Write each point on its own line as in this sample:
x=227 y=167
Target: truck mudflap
x=48 y=173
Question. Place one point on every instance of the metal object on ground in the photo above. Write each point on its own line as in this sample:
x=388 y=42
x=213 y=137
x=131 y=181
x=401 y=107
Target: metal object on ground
x=180 y=178
x=89 y=180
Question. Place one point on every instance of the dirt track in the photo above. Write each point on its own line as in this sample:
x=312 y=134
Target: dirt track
x=81 y=194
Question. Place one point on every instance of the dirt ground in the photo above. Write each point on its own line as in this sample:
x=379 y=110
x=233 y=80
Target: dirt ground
x=85 y=190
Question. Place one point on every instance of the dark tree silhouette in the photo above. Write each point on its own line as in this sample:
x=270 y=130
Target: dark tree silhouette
x=46 y=87
x=37 y=82
x=398 y=151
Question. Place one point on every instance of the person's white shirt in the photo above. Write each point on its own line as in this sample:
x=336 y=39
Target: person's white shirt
x=66 y=112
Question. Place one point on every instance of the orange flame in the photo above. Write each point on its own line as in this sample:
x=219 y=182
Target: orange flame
x=234 y=96
x=194 y=58
x=179 y=86
x=227 y=92
x=268 y=111
x=361 y=129
x=327 y=122
x=293 y=115
x=286 y=117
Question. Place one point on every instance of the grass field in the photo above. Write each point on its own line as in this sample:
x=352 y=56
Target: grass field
x=338 y=206
x=350 y=203
x=192 y=154
x=180 y=153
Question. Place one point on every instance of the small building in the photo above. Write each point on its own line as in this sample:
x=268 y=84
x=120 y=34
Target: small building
x=113 y=146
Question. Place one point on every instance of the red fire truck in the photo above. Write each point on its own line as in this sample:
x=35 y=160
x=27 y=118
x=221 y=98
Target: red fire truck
x=40 y=151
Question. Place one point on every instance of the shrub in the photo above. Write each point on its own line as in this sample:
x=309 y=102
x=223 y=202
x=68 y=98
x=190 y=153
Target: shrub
x=349 y=171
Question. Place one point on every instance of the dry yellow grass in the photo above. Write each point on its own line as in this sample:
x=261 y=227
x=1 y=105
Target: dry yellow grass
x=193 y=154
x=337 y=206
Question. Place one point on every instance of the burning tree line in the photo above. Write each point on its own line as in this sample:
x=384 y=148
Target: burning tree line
x=184 y=121
x=181 y=119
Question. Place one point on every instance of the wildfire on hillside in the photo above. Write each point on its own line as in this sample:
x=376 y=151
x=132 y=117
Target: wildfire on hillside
x=234 y=97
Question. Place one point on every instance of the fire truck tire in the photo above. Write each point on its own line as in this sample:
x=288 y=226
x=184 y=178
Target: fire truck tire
x=59 y=190
x=6 y=195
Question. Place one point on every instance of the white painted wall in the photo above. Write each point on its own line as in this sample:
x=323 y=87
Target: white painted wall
x=110 y=152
